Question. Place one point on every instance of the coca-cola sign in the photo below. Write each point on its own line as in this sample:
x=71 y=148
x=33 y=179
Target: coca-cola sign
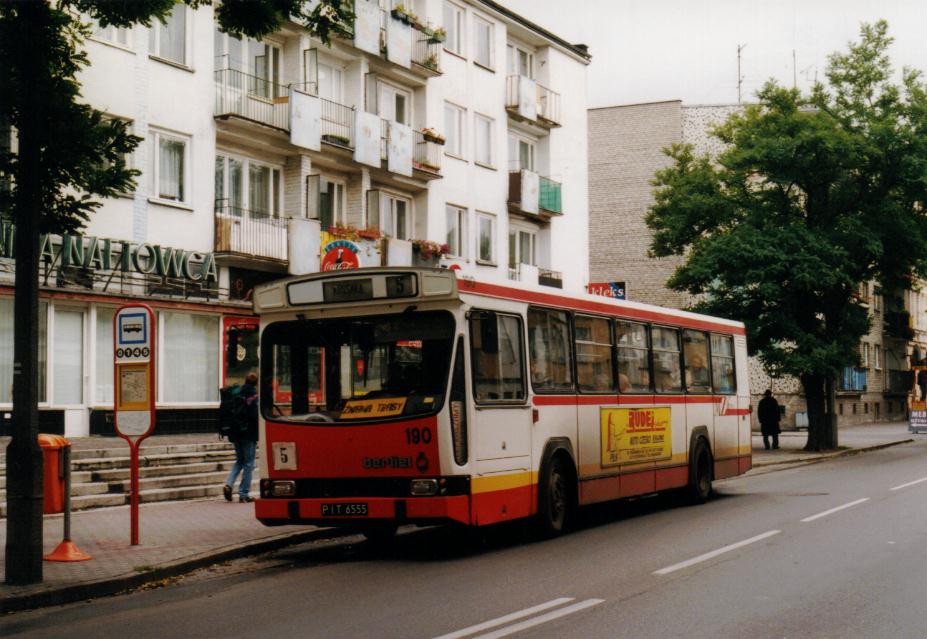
x=339 y=255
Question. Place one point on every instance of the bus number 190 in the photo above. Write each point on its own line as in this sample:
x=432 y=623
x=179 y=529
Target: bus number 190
x=418 y=436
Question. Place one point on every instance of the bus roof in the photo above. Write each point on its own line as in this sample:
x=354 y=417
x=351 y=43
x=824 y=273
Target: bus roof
x=302 y=291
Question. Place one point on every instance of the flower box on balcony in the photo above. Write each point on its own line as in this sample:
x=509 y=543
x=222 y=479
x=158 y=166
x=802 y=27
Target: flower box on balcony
x=431 y=135
x=402 y=14
x=351 y=232
x=340 y=140
x=428 y=253
x=425 y=166
x=435 y=36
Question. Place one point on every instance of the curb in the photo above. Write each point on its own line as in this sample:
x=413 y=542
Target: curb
x=112 y=585
x=813 y=457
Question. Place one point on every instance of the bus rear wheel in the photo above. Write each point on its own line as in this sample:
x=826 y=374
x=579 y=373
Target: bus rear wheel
x=555 y=499
x=700 y=473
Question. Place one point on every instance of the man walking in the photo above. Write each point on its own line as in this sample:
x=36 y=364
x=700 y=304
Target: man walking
x=245 y=440
x=768 y=413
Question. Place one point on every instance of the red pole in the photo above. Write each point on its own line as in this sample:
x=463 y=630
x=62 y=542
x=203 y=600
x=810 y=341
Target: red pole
x=133 y=497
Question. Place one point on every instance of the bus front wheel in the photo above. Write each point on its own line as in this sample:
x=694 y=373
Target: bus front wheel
x=555 y=503
x=700 y=473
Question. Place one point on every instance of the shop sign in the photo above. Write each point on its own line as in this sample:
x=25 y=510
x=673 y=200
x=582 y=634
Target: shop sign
x=103 y=254
x=615 y=290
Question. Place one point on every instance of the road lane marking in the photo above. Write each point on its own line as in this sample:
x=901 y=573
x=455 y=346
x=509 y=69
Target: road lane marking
x=499 y=621
x=550 y=616
x=833 y=510
x=715 y=553
x=910 y=483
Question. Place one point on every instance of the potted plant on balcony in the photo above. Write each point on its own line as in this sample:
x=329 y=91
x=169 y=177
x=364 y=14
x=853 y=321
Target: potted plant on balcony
x=340 y=140
x=351 y=232
x=431 y=62
x=405 y=15
x=428 y=253
x=436 y=36
x=431 y=135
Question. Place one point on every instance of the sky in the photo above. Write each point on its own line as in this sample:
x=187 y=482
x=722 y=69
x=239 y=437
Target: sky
x=653 y=50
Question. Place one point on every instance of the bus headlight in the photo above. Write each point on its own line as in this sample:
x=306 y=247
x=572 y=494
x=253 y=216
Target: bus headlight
x=423 y=487
x=282 y=488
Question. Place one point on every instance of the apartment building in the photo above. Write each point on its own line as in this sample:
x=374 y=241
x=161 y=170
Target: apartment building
x=436 y=122
x=625 y=147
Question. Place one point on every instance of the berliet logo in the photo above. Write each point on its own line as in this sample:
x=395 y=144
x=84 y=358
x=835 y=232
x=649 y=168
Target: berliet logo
x=388 y=462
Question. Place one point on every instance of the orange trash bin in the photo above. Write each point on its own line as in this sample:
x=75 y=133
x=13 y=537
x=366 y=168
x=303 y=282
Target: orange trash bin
x=53 y=471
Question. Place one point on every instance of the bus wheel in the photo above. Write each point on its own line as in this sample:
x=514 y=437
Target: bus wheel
x=700 y=473
x=380 y=535
x=555 y=503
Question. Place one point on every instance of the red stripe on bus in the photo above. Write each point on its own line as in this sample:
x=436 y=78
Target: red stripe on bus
x=594 y=400
x=505 y=292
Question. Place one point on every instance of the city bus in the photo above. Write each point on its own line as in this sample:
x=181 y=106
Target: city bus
x=397 y=396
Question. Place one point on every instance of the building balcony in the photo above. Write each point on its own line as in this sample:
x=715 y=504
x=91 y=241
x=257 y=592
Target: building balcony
x=418 y=155
x=897 y=325
x=533 y=194
x=397 y=36
x=337 y=124
x=528 y=101
x=898 y=382
x=251 y=98
x=248 y=238
x=530 y=274
x=852 y=380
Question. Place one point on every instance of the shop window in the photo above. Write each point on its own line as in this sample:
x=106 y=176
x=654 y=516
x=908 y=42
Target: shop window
x=103 y=386
x=68 y=345
x=6 y=349
x=190 y=358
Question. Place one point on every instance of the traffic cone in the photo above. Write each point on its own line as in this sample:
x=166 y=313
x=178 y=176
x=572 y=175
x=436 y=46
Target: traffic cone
x=67 y=550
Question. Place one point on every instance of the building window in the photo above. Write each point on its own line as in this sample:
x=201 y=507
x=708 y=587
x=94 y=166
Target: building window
x=519 y=61
x=454 y=129
x=522 y=247
x=864 y=352
x=393 y=103
x=521 y=153
x=240 y=180
x=168 y=40
x=191 y=345
x=483 y=35
x=68 y=367
x=6 y=349
x=487 y=237
x=112 y=33
x=169 y=162
x=454 y=25
x=331 y=82
x=482 y=128
x=258 y=61
x=877 y=356
x=455 y=223
x=389 y=213
x=325 y=199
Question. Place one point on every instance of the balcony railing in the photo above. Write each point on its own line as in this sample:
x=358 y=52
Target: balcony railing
x=529 y=100
x=549 y=195
x=547 y=277
x=531 y=193
x=426 y=53
x=853 y=379
x=252 y=98
x=250 y=233
x=426 y=155
x=337 y=123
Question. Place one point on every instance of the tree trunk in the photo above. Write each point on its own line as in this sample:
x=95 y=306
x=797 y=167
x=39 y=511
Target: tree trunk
x=822 y=421
x=23 y=454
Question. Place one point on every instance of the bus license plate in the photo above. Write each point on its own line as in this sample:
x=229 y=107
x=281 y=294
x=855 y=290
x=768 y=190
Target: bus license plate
x=344 y=510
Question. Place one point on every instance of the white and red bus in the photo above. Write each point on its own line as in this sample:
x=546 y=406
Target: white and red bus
x=409 y=395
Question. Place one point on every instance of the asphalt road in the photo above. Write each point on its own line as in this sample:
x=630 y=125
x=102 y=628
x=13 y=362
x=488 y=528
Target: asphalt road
x=833 y=549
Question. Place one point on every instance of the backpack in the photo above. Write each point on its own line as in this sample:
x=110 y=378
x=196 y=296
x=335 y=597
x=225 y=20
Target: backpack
x=233 y=412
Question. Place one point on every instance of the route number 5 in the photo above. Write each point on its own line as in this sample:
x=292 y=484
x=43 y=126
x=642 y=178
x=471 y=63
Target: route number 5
x=284 y=454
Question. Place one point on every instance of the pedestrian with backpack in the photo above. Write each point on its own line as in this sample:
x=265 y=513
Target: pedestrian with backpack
x=238 y=414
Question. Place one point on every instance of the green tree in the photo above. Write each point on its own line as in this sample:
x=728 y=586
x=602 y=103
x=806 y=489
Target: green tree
x=67 y=157
x=812 y=195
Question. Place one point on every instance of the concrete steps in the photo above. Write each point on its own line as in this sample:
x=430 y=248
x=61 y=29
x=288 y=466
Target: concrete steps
x=100 y=477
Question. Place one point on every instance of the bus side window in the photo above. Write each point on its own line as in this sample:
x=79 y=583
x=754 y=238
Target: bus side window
x=695 y=353
x=722 y=364
x=550 y=350
x=594 y=373
x=498 y=368
x=633 y=357
x=667 y=376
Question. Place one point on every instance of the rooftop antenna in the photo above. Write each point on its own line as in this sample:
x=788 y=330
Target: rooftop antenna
x=740 y=78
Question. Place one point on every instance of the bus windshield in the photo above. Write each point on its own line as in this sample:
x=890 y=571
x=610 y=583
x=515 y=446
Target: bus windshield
x=352 y=369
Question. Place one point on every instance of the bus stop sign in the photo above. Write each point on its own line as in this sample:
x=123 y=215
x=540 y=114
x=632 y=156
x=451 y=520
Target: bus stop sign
x=134 y=346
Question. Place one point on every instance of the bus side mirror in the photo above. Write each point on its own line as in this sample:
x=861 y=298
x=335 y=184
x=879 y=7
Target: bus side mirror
x=489 y=332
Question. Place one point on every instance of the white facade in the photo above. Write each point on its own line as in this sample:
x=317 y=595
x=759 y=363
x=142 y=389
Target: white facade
x=255 y=153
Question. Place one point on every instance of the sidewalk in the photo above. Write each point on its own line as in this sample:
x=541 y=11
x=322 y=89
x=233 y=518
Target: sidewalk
x=177 y=537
